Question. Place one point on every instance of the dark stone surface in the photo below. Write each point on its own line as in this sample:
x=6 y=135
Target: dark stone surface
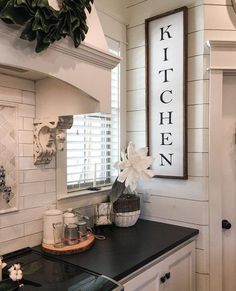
x=127 y=249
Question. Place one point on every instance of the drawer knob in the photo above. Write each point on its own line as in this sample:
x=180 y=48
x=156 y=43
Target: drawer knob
x=167 y=276
x=163 y=279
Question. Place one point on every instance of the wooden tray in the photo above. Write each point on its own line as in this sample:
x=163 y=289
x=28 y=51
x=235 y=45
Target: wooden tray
x=67 y=250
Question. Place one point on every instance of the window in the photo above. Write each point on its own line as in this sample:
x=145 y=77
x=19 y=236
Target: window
x=93 y=142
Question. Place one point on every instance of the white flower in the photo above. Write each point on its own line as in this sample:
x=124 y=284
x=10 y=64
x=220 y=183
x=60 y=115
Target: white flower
x=134 y=165
x=17 y=267
x=19 y=275
x=11 y=269
x=15 y=272
x=13 y=275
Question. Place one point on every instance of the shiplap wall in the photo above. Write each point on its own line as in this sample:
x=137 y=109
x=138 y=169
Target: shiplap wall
x=174 y=201
x=36 y=184
x=180 y=202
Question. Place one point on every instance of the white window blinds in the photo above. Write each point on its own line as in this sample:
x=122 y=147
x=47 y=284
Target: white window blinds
x=93 y=142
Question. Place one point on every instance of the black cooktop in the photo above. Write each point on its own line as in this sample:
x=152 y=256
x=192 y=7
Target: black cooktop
x=44 y=272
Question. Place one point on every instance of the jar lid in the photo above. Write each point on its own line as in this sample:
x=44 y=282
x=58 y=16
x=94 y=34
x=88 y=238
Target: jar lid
x=68 y=215
x=81 y=222
x=53 y=212
x=71 y=225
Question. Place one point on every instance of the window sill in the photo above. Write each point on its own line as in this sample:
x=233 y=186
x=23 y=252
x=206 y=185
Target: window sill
x=82 y=193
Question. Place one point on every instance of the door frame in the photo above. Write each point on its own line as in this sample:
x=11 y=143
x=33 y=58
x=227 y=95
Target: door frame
x=222 y=60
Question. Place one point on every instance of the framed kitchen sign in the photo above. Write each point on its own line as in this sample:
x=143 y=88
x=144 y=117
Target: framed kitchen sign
x=166 y=85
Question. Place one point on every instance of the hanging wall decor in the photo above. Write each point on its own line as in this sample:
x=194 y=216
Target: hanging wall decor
x=44 y=23
x=166 y=48
x=8 y=158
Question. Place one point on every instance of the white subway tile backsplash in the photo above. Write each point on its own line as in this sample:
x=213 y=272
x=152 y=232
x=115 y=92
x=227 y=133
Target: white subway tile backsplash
x=26 y=163
x=11 y=232
x=20 y=123
x=23 y=216
x=28 y=123
x=19 y=243
x=20 y=203
x=26 y=110
x=21 y=150
x=26 y=136
x=36 y=200
x=28 y=150
x=39 y=175
x=20 y=176
x=33 y=227
x=10 y=95
x=32 y=188
x=50 y=186
x=28 y=97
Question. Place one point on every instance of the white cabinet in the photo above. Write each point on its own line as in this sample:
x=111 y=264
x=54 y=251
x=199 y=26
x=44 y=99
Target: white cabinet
x=172 y=272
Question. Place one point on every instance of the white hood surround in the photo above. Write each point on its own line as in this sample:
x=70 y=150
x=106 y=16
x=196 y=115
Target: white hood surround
x=68 y=80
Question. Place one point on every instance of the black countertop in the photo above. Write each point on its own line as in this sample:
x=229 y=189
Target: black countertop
x=127 y=249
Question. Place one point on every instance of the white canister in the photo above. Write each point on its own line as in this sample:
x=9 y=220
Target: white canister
x=50 y=216
x=70 y=217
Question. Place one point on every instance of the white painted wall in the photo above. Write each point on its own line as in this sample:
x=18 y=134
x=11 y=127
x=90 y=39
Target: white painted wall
x=174 y=201
x=180 y=202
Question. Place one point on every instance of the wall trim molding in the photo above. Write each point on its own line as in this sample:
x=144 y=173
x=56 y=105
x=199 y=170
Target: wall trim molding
x=222 y=60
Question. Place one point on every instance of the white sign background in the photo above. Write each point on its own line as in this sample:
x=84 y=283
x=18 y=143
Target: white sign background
x=166 y=111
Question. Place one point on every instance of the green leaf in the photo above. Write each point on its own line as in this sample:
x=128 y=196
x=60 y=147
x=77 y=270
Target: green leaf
x=28 y=33
x=10 y=14
x=116 y=191
x=41 y=45
x=43 y=23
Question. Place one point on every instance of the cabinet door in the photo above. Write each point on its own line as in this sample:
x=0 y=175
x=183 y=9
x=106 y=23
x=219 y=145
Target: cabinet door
x=180 y=268
x=175 y=273
x=148 y=280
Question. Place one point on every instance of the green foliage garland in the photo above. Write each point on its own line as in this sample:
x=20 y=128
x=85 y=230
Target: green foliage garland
x=43 y=23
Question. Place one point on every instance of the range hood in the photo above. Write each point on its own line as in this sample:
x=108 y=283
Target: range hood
x=87 y=68
x=68 y=80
